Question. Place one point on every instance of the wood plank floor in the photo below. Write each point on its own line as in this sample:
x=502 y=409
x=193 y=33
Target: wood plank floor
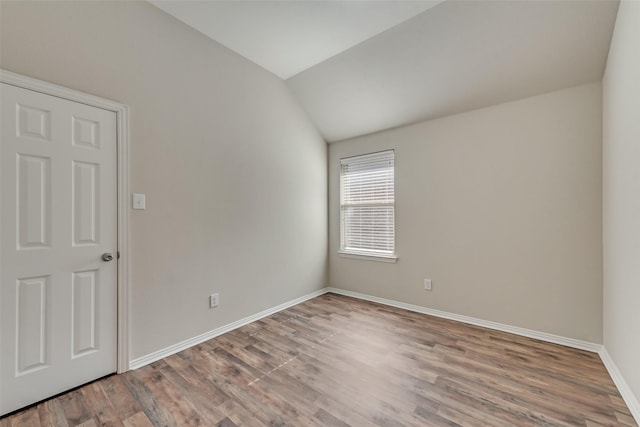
x=338 y=361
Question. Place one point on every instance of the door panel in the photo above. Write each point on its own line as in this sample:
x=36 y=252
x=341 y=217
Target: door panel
x=32 y=324
x=85 y=335
x=34 y=202
x=58 y=214
x=86 y=195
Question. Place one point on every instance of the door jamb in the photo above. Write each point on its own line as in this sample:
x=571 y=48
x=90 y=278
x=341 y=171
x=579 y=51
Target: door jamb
x=122 y=147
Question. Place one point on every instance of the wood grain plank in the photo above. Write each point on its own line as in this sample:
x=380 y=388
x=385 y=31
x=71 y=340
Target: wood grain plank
x=100 y=406
x=338 y=361
x=137 y=420
x=75 y=408
x=120 y=396
x=51 y=414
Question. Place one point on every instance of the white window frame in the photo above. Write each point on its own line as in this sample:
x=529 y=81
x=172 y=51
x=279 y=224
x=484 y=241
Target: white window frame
x=363 y=252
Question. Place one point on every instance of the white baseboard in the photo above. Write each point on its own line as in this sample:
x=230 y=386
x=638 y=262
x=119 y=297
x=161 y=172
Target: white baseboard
x=627 y=394
x=542 y=336
x=173 y=349
x=625 y=391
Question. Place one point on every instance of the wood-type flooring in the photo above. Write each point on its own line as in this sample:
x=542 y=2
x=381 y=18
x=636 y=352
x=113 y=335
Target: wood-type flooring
x=338 y=361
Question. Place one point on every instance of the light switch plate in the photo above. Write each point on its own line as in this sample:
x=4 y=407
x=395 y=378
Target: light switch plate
x=139 y=201
x=214 y=300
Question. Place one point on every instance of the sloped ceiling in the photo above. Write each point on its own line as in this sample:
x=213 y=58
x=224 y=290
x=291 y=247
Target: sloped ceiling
x=290 y=36
x=453 y=56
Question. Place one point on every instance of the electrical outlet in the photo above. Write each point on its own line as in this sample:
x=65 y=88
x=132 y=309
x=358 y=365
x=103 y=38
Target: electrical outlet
x=427 y=284
x=214 y=300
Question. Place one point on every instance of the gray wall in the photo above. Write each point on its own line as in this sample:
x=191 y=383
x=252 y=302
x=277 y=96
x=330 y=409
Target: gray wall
x=500 y=207
x=234 y=172
x=621 y=173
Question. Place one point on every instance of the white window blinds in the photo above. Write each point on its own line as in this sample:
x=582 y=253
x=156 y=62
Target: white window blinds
x=367 y=204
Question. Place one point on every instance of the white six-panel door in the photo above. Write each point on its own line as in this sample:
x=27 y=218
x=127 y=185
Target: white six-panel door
x=58 y=217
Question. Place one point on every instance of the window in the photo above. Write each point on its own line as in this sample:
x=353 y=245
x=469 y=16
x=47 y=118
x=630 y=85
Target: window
x=367 y=206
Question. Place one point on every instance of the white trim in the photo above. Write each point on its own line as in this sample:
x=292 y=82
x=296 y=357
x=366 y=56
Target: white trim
x=625 y=391
x=368 y=257
x=124 y=272
x=542 y=336
x=175 y=348
x=122 y=124
x=619 y=381
x=60 y=91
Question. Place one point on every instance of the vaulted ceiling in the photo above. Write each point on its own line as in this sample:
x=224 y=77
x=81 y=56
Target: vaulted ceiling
x=359 y=67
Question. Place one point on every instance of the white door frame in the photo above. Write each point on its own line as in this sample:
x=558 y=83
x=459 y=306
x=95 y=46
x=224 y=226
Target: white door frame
x=122 y=147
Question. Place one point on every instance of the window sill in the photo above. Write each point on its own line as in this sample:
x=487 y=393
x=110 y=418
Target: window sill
x=369 y=257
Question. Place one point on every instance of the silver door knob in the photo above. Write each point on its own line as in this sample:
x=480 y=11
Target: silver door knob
x=106 y=257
